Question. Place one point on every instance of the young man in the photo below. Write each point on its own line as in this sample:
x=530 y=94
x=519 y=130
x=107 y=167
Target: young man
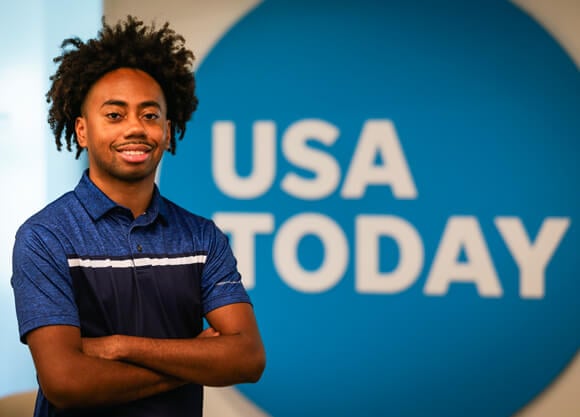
x=112 y=281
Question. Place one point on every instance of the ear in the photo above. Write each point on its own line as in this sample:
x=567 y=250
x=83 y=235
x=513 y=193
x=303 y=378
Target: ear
x=81 y=131
x=168 y=141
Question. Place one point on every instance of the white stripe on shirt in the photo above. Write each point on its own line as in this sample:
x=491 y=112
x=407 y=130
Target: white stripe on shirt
x=129 y=263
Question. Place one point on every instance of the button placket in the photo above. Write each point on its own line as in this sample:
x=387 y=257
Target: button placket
x=135 y=246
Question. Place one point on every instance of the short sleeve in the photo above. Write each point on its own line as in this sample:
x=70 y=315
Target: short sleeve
x=221 y=281
x=41 y=281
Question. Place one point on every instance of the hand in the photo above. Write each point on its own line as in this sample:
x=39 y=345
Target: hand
x=209 y=332
x=107 y=347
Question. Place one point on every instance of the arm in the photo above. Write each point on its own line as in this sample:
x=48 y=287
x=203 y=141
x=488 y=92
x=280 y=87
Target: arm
x=49 y=324
x=71 y=379
x=234 y=354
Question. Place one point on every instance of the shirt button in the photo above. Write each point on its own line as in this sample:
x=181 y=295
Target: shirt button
x=139 y=248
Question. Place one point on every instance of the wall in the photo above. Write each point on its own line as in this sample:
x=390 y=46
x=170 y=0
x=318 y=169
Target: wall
x=31 y=171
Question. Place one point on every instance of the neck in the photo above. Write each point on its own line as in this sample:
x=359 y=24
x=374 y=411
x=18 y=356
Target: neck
x=136 y=196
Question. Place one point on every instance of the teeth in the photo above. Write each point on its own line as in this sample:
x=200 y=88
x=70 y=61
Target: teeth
x=134 y=152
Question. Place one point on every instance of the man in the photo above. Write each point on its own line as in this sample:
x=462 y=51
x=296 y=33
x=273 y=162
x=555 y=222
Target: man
x=111 y=280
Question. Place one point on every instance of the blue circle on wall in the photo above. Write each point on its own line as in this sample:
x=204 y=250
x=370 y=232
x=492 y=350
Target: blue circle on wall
x=484 y=103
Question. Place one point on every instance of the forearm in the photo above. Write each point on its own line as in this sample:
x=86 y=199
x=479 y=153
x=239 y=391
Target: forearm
x=216 y=361
x=90 y=382
x=231 y=353
x=70 y=378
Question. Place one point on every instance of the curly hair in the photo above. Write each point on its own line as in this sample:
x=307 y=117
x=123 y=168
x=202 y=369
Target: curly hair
x=129 y=44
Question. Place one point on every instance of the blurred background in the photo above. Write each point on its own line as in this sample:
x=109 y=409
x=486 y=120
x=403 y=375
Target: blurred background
x=398 y=180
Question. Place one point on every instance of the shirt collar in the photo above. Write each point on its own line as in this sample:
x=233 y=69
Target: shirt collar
x=98 y=204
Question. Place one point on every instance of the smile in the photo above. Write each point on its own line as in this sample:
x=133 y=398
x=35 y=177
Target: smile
x=129 y=152
x=134 y=153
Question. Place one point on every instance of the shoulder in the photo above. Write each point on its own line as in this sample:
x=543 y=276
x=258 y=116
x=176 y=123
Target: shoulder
x=42 y=239
x=48 y=218
x=175 y=212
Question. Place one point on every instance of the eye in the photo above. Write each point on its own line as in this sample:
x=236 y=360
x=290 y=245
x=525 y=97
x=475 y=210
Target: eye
x=151 y=116
x=114 y=116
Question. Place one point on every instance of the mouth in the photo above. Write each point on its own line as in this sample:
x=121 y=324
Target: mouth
x=134 y=153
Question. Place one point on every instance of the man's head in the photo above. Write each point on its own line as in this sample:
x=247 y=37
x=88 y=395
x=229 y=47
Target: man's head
x=130 y=44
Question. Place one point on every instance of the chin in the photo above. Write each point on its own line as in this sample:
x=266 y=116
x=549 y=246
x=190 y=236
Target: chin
x=134 y=176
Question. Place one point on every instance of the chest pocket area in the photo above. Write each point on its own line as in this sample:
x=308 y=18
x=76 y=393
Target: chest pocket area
x=150 y=301
x=167 y=300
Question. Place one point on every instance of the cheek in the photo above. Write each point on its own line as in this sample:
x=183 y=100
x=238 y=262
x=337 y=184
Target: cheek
x=100 y=138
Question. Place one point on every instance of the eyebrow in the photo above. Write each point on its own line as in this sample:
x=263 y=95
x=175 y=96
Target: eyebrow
x=121 y=103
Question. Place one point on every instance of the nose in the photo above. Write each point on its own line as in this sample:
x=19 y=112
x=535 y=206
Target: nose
x=135 y=127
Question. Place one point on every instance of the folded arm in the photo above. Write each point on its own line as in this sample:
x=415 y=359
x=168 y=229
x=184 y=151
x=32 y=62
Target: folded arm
x=233 y=354
x=70 y=378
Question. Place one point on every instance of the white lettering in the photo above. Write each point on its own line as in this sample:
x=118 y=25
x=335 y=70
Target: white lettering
x=243 y=228
x=411 y=254
x=462 y=232
x=532 y=259
x=379 y=138
x=325 y=168
x=264 y=160
x=335 y=253
x=462 y=255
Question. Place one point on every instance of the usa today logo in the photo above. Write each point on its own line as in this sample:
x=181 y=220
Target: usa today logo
x=378 y=141
x=397 y=181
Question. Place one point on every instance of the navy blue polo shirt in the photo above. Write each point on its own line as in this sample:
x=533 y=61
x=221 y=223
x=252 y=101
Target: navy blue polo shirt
x=85 y=261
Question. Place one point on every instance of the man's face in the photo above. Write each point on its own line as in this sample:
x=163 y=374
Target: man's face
x=124 y=127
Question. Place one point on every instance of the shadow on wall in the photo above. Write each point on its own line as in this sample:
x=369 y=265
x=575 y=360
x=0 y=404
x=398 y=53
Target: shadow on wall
x=18 y=405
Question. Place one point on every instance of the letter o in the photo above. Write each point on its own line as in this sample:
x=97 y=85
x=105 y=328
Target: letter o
x=335 y=259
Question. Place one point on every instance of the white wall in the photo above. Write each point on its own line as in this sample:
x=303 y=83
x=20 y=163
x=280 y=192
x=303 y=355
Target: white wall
x=31 y=171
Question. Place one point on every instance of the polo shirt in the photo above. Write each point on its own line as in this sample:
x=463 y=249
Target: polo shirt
x=85 y=261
